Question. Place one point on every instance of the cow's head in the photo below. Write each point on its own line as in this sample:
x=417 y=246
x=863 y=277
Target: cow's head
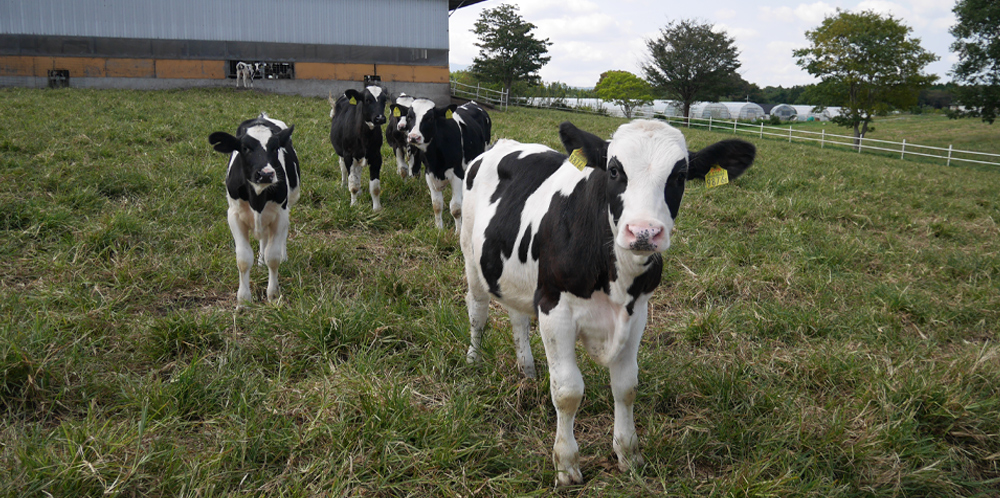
x=422 y=121
x=257 y=151
x=372 y=102
x=646 y=164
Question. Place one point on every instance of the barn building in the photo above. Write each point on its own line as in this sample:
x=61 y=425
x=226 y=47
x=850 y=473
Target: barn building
x=309 y=47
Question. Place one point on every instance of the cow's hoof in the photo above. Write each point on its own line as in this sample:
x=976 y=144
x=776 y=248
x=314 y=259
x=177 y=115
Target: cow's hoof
x=568 y=477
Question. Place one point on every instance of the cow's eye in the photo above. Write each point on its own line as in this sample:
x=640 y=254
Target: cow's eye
x=613 y=172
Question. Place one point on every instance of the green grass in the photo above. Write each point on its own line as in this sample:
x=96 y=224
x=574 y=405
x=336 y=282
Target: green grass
x=827 y=325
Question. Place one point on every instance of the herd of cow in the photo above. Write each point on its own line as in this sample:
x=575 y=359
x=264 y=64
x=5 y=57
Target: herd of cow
x=572 y=239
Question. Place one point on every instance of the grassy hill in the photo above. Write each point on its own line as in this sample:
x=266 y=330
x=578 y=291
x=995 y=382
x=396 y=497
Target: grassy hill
x=827 y=326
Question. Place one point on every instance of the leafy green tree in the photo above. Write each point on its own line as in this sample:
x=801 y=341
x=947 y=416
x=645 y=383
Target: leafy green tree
x=508 y=51
x=868 y=65
x=690 y=62
x=624 y=90
x=978 y=46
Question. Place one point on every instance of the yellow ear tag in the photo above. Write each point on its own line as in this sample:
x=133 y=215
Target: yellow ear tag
x=576 y=158
x=716 y=177
x=395 y=112
x=448 y=114
x=353 y=101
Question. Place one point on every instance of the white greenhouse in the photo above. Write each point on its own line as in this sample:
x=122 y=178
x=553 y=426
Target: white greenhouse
x=807 y=113
x=784 y=112
x=713 y=110
x=744 y=111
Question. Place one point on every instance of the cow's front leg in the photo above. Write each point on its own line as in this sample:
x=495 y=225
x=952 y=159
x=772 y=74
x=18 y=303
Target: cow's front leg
x=401 y=163
x=558 y=333
x=456 y=202
x=244 y=255
x=275 y=253
x=343 y=172
x=354 y=179
x=624 y=372
x=437 y=198
x=375 y=182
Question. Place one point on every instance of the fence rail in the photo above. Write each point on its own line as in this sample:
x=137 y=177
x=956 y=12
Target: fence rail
x=906 y=150
x=497 y=99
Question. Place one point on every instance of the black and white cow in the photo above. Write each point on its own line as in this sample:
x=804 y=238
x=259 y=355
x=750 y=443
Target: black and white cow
x=262 y=184
x=245 y=71
x=449 y=137
x=408 y=157
x=579 y=247
x=356 y=134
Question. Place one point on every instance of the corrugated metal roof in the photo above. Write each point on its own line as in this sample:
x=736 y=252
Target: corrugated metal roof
x=373 y=23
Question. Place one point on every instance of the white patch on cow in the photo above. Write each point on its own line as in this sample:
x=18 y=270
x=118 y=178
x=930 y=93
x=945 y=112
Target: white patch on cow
x=375 y=91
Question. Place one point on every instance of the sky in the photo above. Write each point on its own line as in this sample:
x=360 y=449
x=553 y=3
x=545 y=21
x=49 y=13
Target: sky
x=592 y=36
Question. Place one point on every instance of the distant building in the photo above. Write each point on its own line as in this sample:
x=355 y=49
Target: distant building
x=310 y=47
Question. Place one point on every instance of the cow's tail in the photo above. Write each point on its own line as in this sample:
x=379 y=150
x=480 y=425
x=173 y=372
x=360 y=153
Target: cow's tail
x=333 y=104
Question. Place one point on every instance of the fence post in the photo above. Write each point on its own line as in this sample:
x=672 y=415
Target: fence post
x=735 y=120
x=761 y=129
x=477 y=91
x=902 y=152
x=861 y=142
x=689 y=119
x=709 y=122
x=822 y=138
x=949 y=155
x=789 y=134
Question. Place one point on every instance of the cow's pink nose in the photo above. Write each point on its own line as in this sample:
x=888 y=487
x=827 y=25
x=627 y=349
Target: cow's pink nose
x=644 y=237
x=414 y=137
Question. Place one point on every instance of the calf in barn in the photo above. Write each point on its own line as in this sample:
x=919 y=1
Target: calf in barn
x=449 y=137
x=356 y=134
x=576 y=242
x=408 y=157
x=244 y=71
x=262 y=184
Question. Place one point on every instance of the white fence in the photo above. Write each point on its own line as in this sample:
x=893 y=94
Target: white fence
x=497 y=99
x=905 y=149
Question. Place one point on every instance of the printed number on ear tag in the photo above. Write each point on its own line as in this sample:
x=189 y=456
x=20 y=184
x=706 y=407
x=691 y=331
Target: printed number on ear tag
x=353 y=101
x=576 y=158
x=448 y=114
x=716 y=177
x=395 y=113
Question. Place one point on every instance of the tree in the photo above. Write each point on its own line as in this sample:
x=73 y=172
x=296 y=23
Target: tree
x=624 y=90
x=508 y=51
x=690 y=62
x=868 y=65
x=978 y=47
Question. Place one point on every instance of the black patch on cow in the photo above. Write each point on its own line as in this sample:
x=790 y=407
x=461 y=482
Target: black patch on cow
x=518 y=179
x=673 y=191
x=646 y=282
x=470 y=176
x=575 y=244
x=733 y=155
x=351 y=137
x=522 y=250
x=617 y=183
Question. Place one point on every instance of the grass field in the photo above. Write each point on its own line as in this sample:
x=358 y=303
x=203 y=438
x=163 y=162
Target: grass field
x=827 y=326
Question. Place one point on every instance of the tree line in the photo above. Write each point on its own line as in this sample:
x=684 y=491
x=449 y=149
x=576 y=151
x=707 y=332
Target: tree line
x=868 y=64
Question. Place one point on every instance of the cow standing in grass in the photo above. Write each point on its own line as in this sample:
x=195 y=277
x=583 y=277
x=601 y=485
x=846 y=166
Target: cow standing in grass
x=408 y=157
x=449 y=138
x=576 y=242
x=262 y=184
x=356 y=134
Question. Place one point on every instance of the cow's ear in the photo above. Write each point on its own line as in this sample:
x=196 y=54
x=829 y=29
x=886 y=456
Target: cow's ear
x=395 y=111
x=224 y=142
x=285 y=136
x=447 y=112
x=353 y=96
x=732 y=155
x=594 y=149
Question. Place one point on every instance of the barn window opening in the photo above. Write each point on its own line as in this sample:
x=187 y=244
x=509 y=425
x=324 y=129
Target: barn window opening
x=265 y=70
